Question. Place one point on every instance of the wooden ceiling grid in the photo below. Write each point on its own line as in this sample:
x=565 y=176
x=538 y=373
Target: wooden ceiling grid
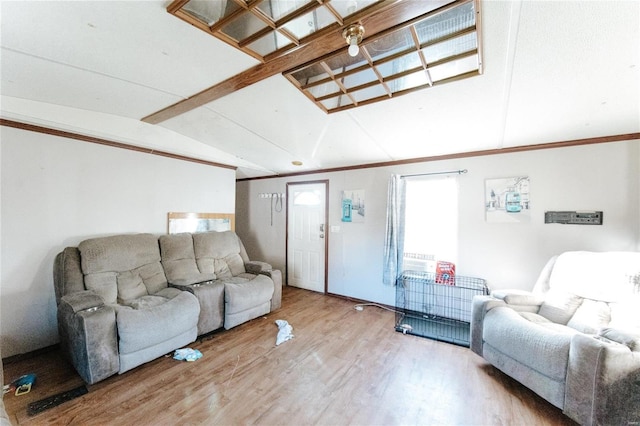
x=379 y=19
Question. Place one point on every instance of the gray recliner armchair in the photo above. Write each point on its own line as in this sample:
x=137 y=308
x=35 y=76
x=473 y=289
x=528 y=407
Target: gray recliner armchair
x=575 y=339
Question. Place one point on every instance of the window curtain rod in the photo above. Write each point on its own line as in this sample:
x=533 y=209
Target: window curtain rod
x=451 y=172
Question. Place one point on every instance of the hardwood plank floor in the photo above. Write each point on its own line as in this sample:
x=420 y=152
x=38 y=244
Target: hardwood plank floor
x=342 y=367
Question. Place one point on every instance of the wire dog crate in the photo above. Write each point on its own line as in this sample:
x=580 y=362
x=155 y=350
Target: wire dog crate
x=427 y=308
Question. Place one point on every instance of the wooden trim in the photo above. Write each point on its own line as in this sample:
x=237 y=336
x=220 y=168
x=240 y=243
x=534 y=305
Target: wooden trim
x=175 y=5
x=100 y=141
x=470 y=154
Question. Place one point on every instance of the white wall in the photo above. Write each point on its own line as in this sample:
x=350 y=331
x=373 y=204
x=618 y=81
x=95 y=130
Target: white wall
x=594 y=177
x=57 y=192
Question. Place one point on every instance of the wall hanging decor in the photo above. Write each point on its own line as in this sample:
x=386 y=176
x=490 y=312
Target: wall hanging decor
x=507 y=200
x=353 y=205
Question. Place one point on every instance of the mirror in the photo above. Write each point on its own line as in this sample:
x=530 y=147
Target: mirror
x=200 y=222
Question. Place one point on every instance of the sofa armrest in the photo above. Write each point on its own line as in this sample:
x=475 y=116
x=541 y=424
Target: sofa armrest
x=255 y=267
x=88 y=335
x=480 y=305
x=83 y=301
x=520 y=300
x=276 y=277
x=603 y=381
x=188 y=283
x=629 y=338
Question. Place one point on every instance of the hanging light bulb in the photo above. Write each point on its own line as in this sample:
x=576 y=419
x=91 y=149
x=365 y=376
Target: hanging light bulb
x=353 y=47
x=353 y=36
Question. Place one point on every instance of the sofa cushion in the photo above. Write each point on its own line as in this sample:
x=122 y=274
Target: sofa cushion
x=130 y=286
x=221 y=268
x=104 y=284
x=146 y=302
x=591 y=316
x=541 y=347
x=235 y=264
x=242 y=294
x=606 y=276
x=559 y=306
x=117 y=267
x=533 y=317
x=246 y=299
x=626 y=314
x=219 y=253
x=118 y=252
x=142 y=328
x=149 y=301
x=179 y=260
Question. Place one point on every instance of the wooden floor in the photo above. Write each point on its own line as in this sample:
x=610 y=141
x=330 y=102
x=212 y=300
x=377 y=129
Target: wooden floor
x=342 y=367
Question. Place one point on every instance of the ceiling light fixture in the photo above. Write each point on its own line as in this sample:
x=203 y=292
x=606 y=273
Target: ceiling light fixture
x=353 y=35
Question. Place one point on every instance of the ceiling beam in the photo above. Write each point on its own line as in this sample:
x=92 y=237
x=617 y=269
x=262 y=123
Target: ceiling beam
x=397 y=13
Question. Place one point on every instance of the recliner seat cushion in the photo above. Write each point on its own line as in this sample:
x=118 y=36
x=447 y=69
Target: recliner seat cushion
x=149 y=301
x=142 y=328
x=246 y=299
x=542 y=347
x=240 y=295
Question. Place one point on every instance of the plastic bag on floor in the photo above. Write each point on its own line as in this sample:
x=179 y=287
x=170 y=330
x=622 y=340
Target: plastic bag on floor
x=284 y=331
x=187 y=354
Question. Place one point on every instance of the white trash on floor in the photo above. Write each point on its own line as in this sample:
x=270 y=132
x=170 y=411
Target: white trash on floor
x=284 y=331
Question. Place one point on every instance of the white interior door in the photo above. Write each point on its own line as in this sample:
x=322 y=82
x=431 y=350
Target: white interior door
x=306 y=236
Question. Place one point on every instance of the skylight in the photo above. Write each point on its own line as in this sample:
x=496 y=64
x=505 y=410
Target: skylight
x=266 y=28
x=439 y=48
x=411 y=45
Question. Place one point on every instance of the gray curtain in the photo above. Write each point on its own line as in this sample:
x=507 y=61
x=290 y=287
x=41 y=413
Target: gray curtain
x=394 y=236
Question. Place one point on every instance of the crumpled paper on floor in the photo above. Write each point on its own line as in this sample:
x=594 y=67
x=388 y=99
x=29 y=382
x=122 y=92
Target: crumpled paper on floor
x=187 y=354
x=284 y=332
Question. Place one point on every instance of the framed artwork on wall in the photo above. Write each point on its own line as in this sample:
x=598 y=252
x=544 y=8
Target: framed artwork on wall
x=507 y=200
x=353 y=205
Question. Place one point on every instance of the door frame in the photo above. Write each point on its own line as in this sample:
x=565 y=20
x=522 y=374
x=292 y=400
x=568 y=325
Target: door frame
x=326 y=229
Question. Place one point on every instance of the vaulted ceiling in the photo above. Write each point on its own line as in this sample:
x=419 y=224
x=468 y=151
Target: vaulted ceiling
x=133 y=73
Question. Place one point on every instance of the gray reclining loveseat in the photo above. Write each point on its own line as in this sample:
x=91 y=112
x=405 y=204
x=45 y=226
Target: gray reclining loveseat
x=122 y=301
x=575 y=339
